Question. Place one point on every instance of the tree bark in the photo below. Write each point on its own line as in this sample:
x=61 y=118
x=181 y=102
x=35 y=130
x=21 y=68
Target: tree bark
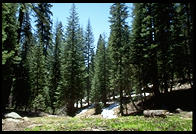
x=77 y=104
x=80 y=103
x=134 y=104
x=113 y=95
x=70 y=108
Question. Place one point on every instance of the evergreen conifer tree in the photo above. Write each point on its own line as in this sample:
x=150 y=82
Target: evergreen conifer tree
x=43 y=24
x=38 y=78
x=88 y=55
x=55 y=68
x=100 y=79
x=117 y=41
x=73 y=66
x=22 y=83
x=10 y=47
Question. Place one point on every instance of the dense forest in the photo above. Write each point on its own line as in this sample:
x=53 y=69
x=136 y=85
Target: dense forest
x=49 y=70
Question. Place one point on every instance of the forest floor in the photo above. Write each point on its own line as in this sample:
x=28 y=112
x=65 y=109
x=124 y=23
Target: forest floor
x=86 y=120
x=175 y=122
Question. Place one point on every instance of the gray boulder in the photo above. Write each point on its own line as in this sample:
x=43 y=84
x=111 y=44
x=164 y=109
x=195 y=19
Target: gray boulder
x=178 y=110
x=25 y=118
x=3 y=122
x=13 y=120
x=13 y=115
x=189 y=115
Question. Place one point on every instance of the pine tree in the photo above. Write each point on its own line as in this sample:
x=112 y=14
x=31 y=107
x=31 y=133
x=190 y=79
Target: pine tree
x=43 y=24
x=163 y=40
x=88 y=54
x=179 y=49
x=144 y=37
x=55 y=69
x=92 y=66
x=10 y=58
x=38 y=78
x=112 y=92
x=44 y=37
x=100 y=79
x=72 y=68
x=176 y=53
x=137 y=46
x=186 y=11
x=150 y=47
x=84 y=73
x=158 y=48
x=92 y=72
x=22 y=83
x=117 y=41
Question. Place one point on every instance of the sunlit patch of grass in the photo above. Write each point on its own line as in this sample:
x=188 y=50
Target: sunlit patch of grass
x=130 y=123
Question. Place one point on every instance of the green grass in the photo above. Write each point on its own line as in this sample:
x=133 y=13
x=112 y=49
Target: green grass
x=130 y=123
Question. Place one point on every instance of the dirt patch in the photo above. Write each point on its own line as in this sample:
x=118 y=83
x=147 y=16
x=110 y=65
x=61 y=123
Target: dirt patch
x=88 y=113
x=186 y=114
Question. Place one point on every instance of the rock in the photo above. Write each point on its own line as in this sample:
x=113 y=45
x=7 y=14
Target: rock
x=52 y=115
x=13 y=115
x=189 y=114
x=43 y=114
x=94 y=129
x=154 y=113
x=13 y=120
x=25 y=118
x=168 y=113
x=3 y=122
x=178 y=110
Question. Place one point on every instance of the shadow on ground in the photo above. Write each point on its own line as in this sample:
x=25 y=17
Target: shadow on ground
x=182 y=99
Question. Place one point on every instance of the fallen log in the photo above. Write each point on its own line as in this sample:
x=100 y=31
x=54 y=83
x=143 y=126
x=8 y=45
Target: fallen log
x=154 y=113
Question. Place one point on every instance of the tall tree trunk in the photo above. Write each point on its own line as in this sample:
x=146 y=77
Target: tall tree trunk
x=155 y=80
x=134 y=103
x=104 y=99
x=155 y=83
x=121 y=102
x=70 y=108
x=156 y=88
x=88 y=97
x=53 y=110
x=77 y=103
x=81 y=103
x=88 y=82
x=113 y=94
x=121 y=90
x=126 y=109
x=104 y=86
